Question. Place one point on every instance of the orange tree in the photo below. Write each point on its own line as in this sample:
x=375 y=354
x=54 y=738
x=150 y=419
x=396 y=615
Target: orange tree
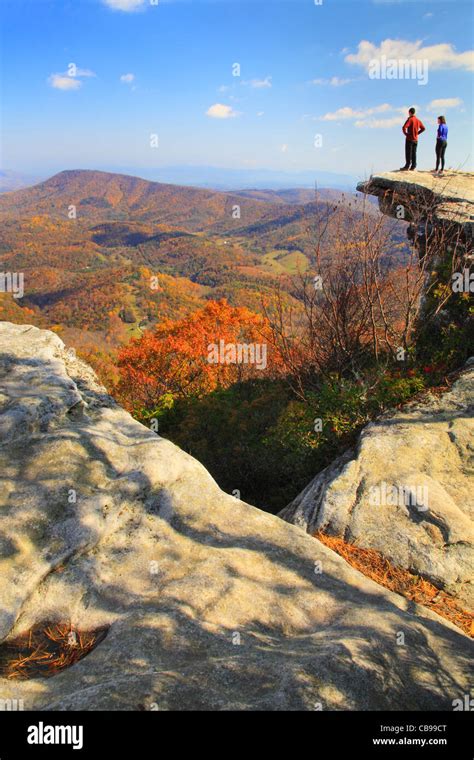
x=194 y=356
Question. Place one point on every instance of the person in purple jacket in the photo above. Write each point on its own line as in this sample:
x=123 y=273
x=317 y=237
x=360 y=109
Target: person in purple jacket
x=441 y=143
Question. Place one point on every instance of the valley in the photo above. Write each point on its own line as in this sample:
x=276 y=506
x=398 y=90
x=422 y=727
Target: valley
x=106 y=256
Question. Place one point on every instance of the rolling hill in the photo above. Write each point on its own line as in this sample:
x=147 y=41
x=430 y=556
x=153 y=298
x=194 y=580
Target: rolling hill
x=104 y=196
x=105 y=256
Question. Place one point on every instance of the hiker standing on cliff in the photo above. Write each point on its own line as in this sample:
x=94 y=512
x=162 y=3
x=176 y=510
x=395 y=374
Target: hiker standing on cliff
x=441 y=143
x=411 y=129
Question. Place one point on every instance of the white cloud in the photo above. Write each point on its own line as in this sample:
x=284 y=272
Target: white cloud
x=223 y=88
x=125 y=5
x=260 y=113
x=221 y=111
x=378 y=123
x=444 y=104
x=69 y=80
x=442 y=56
x=333 y=82
x=342 y=114
x=259 y=83
x=84 y=73
x=364 y=118
x=127 y=78
x=63 y=82
x=284 y=148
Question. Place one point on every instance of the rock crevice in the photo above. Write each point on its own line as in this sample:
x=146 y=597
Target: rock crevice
x=209 y=602
x=412 y=476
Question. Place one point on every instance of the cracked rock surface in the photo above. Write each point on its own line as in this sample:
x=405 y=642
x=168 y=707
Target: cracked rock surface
x=407 y=490
x=210 y=603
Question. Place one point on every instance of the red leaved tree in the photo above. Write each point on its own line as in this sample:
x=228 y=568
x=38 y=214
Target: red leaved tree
x=195 y=355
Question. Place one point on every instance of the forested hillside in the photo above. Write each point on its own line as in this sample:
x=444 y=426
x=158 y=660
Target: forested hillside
x=143 y=278
x=107 y=256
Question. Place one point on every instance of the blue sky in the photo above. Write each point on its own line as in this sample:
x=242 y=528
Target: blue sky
x=306 y=97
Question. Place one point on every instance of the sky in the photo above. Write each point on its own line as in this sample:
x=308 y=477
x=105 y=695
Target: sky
x=286 y=85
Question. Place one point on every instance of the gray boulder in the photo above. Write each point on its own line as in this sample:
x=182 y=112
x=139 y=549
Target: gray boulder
x=209 y=602
x=407 y=490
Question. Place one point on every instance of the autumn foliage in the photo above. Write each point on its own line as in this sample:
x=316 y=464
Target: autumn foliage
x=173 y=360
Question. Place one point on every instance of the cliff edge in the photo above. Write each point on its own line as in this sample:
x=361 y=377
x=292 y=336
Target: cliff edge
x=406 y=490
x=448 y=199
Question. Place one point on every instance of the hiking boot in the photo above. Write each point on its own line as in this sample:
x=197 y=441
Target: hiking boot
x=404 y=168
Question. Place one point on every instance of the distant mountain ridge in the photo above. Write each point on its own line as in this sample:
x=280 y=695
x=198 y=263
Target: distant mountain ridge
x=10 y=180
x=267 y=185
x=218 y=178
x=107 y=196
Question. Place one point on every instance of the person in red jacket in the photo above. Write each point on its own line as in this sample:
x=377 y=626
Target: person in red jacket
x=411 y=129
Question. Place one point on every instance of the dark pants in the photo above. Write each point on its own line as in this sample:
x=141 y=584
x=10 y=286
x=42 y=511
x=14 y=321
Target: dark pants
x=410 y=154
x=441 y=146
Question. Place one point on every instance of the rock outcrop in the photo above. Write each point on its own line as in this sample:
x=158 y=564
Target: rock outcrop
x=407 y=490
x=447 y=200
x=209 y=603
